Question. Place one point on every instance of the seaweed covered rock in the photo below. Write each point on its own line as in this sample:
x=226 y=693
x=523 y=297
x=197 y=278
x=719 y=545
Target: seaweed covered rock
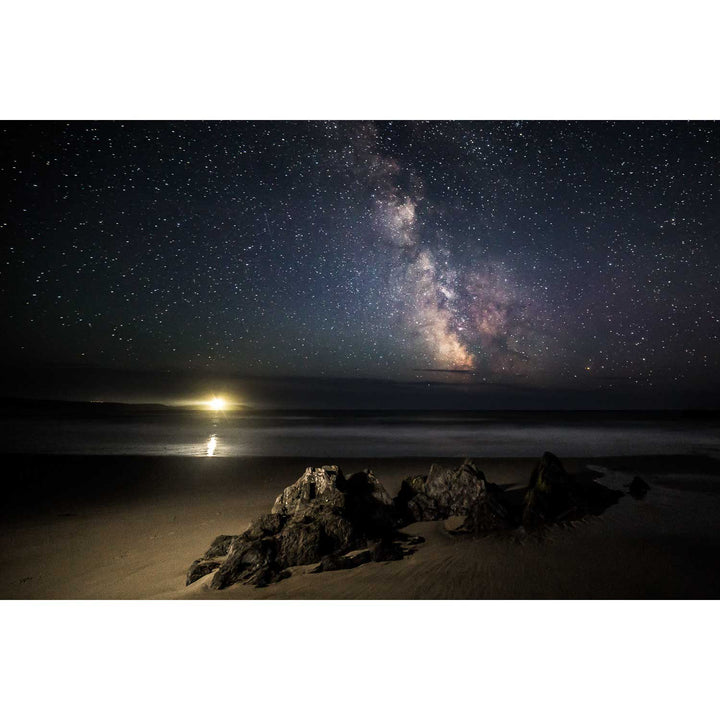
x=323 y=514
x=554 y=494
x=442 y=493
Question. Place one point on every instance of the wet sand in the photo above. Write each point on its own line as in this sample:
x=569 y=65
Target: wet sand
x=128 y=527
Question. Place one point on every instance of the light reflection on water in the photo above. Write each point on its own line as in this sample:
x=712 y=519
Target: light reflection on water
x=211 y=445
x=355 y=437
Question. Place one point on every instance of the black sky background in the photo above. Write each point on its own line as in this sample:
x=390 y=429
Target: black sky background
x=478 y=265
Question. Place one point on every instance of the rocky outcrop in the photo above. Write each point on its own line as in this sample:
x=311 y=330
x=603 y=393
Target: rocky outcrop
x=339 y=523
x=252 y=561
x=440 y=494
x=490 y=513
x=447 y=492
x=554 y=495
x=322 y=515
x=550 y=495
x=318 y=486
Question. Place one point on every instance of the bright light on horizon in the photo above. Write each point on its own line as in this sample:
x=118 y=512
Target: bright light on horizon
x=217 y=404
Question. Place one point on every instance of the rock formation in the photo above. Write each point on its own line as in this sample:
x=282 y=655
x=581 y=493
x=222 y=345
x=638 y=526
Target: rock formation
x=321 y=515
x=442 y=493
x=340 y=523
x=550 y=495
x=554 y=495
x=490 y=513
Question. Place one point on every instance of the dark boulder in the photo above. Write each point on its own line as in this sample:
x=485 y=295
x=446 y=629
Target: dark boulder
x=490 y=513
x=411 y=504
x=364 y=484
x=554 y=495
x=638 y=488
x=368 y=505
x=322 y=514
x=442 y=493
x=251 y=561
x=550 y=495
x=306 y=540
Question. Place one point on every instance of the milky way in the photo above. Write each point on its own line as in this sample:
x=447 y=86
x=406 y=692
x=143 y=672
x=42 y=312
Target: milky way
x=427 y=293
x=526 y=254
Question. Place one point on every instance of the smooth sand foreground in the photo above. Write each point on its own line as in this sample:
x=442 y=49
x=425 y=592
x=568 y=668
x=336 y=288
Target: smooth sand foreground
x=129 y=527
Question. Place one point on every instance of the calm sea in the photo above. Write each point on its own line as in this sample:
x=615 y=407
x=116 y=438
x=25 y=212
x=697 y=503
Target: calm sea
x=363 y=434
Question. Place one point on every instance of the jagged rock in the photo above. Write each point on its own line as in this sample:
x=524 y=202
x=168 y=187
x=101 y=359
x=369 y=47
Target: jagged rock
x=368 y=505
x=490 y=513
x=638 y=488
x=554 y=495
x=321 y=514
x=551 y=494
x=265 y=525
x=251 y=561
x=412 y=504
x=220 y=546
x=308 y=539
x=442 y=493
x=315 y=486
x=200 y=568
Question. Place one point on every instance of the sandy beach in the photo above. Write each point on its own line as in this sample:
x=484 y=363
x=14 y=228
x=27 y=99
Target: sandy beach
x=129 y=527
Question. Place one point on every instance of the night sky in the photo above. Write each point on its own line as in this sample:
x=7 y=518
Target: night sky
x=453 y=264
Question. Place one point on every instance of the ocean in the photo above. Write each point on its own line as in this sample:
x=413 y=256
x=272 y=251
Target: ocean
x=357 y=434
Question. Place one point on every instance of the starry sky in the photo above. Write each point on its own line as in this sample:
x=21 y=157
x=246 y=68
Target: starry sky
x=454 y=264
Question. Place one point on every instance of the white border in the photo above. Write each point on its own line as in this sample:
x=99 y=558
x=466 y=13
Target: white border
x=379 y=59
x=359 y=660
